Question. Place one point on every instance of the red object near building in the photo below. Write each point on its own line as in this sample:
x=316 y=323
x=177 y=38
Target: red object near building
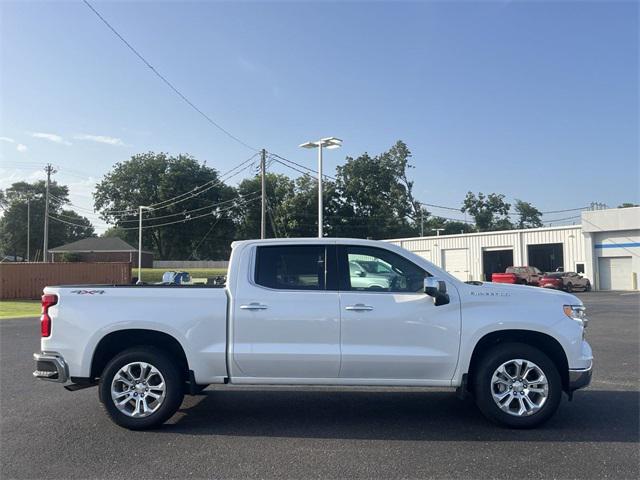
x=518 y=275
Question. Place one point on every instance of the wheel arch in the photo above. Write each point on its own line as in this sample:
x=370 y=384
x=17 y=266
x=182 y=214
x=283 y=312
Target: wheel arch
x=545 y=343
x=119 y=340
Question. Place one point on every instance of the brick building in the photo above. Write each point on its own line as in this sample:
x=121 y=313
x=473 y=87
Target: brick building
x=99 y=249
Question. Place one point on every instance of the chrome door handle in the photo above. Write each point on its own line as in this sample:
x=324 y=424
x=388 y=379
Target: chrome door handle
x=253 y=306
x=359 y=307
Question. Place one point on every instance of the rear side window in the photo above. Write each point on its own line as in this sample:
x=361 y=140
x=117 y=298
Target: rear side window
x=293 y=267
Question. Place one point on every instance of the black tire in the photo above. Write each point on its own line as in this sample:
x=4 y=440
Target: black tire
x=483 y=374
x=173 y=379
x=587 y=287
x=569 y=287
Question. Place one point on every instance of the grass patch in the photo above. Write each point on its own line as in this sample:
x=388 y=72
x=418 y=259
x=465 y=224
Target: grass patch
x=19 y=308
x=152 y=275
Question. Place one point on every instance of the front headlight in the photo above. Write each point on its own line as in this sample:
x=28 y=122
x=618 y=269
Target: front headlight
x=577 y=313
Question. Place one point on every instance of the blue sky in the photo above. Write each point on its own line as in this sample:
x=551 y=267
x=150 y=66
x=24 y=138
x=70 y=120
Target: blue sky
x=536 y=100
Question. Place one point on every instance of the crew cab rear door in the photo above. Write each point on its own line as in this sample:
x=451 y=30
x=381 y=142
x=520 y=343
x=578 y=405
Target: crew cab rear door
x=286 y=316
x=390 y=328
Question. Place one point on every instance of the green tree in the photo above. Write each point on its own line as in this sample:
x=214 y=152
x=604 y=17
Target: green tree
x=65 y=226
x=628 y=205
x=375 y=196
x=279 y=192
x=528 y=215
x=489 y=212
x=175 y=185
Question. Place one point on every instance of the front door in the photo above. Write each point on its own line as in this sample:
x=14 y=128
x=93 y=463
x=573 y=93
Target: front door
x=390 y=328
x=287 y=317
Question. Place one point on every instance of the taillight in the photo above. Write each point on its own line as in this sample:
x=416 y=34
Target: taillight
x=45 y=319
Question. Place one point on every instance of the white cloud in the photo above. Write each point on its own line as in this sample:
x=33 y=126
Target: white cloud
x=20 y=147
x=100 y=139
x=52 y=137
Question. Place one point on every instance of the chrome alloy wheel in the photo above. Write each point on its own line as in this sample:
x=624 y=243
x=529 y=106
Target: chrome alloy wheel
x=138 y=389
x=519 y=387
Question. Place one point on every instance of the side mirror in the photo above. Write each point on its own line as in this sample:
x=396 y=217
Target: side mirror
x=437 y=289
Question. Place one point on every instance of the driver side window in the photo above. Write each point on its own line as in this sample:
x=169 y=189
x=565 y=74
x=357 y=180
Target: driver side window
x=373 y=269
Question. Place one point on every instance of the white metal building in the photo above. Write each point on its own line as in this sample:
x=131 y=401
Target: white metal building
x=605 y=248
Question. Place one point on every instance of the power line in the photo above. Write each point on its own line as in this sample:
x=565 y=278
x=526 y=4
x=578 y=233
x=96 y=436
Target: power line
x=213 y=205
x=69 y=223
x=167 y=82
x=566 y=210
x=193 y=252
x=204 y=187
x=439 y=206
x=198 y=190
x=300 y=166
x=185 y=220
x=293 y=168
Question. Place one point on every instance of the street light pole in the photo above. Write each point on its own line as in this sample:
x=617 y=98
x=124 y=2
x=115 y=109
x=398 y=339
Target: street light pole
x=330 y=143
x=320 y=205
x=263 y=188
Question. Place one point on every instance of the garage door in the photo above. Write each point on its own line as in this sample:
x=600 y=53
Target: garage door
x=426 y=254
x=456 y=262
x=615 y=273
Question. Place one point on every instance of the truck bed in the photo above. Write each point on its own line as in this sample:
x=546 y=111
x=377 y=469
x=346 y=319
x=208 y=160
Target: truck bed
x=195 y=315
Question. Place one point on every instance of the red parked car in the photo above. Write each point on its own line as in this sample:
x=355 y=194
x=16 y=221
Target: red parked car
x=518 y=275
x=567 y=281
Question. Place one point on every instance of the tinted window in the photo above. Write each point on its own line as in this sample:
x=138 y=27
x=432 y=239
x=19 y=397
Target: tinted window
x=295 y=267
x=376 y=269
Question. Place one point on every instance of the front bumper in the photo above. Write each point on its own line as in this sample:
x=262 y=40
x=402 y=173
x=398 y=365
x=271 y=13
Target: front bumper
x=51 y=366
x=580 y=378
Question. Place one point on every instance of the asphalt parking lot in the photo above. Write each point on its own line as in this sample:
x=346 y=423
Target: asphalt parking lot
x=47 y=432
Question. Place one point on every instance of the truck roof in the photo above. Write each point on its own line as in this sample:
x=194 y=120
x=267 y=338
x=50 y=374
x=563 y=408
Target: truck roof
x=352 y=241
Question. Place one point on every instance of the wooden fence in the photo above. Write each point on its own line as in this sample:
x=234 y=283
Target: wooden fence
x=26 y=280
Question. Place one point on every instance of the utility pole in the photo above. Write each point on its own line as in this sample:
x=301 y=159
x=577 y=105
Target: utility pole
x=263 y=209
x=45 y=250
x=139 y=282
x=28 y=224
x=421 y=222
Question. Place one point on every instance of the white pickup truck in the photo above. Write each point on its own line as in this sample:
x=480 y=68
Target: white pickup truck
x=297 y=312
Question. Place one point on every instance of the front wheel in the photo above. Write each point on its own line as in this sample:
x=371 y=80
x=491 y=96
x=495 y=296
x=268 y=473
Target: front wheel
x=141 y=388
x=517 y=385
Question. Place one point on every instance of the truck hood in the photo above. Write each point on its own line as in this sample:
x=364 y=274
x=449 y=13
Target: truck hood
x=509 y=293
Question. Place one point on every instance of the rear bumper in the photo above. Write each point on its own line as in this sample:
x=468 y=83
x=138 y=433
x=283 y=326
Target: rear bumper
x=580 y=378
x=50 y=366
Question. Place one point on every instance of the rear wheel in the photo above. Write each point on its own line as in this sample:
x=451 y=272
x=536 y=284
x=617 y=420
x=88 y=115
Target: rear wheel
x=587 y=287
x=569 y=287
x=141 y=388
x=517 y=385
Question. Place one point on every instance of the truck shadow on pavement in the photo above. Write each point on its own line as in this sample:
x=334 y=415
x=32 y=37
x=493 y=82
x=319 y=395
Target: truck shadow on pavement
x=593 y=416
